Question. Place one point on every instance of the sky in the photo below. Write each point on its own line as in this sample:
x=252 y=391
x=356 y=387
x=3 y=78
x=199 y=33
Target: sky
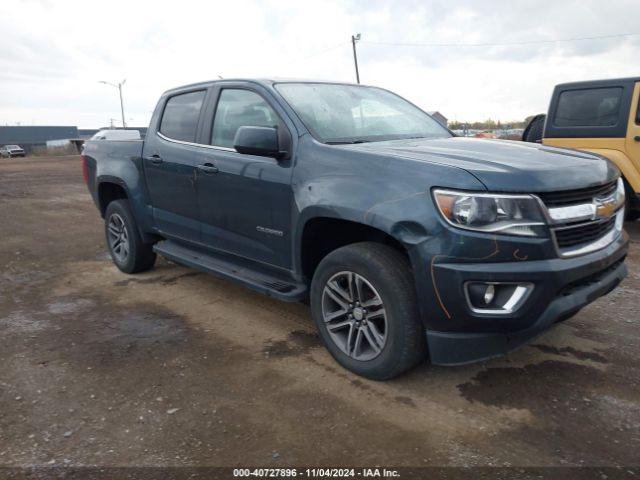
x=54 y=53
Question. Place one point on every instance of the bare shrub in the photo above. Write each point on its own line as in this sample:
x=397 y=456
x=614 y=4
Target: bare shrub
x=44 y=151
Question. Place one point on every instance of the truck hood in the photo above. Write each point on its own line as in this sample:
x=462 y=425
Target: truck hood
x=502 y=165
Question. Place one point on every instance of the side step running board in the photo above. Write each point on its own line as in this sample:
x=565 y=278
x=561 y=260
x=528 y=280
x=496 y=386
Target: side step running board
x=263 y=281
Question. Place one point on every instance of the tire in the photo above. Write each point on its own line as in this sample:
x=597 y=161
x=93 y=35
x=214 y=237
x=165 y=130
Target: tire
x=534 y=131
x=130 y=254
x=632 y=215
x=632 y=204
x=390 y=343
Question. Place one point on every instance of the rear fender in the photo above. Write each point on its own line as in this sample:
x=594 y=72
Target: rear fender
x=142 y=212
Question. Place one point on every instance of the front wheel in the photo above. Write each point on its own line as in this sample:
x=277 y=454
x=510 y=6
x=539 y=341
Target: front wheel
x=128 y=251
x=364 y=305
x=632 y=205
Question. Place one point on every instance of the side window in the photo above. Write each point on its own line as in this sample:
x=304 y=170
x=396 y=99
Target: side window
x=595 y=107
x=180 y=117
x=239 y=108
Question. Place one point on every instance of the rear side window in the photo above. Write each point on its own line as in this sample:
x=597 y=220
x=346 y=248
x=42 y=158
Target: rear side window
x=595 y=107
x=180 y=117
x=240 y=108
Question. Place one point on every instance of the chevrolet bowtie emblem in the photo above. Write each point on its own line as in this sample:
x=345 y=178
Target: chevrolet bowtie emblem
x=605 y=208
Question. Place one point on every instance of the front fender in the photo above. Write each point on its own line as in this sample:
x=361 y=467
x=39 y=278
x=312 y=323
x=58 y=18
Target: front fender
x=400 y=214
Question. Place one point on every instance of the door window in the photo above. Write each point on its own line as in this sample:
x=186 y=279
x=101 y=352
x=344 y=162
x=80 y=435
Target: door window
x=180 y=117
x=594 y=107
x=239 y=108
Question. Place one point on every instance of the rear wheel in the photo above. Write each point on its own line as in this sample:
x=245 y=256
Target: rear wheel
x=364 y=305
x=128 y=251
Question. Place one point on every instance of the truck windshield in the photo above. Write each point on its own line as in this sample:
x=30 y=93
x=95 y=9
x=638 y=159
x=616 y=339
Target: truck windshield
x=338 y=114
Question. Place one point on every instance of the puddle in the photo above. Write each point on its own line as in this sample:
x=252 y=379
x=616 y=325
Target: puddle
x=298 y=342
x=565 y=351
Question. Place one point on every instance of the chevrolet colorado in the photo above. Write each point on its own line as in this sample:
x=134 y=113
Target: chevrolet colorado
x=408 y=242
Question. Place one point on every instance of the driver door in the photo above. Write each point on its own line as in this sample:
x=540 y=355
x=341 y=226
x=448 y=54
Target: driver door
x=244 y=200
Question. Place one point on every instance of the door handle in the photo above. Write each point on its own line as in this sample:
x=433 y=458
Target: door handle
x=637 y=138
x=157 y=159
x=208 y=168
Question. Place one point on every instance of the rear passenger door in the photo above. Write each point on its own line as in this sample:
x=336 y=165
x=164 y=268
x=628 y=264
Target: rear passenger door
x=245 y=200
x=170 y=159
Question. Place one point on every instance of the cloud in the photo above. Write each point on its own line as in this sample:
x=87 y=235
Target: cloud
x=54 y=53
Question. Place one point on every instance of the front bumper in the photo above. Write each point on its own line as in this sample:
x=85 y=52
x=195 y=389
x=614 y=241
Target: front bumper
x=562 y=288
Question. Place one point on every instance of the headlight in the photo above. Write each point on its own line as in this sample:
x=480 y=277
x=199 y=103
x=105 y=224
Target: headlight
x=492 y=213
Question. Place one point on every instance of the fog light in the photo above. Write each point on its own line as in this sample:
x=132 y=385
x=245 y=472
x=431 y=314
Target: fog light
x=496 y=297
x=489 y=293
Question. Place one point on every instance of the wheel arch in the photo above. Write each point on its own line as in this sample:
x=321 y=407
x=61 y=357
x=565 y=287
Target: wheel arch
x=630 y=172
x=324 y=232
x=110 y=189
x=113 y=188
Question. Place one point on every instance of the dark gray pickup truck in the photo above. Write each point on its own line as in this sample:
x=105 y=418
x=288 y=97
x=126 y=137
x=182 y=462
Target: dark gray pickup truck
x=408 y=242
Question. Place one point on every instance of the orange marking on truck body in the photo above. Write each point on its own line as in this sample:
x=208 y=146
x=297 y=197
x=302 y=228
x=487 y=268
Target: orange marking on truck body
x=433 y=273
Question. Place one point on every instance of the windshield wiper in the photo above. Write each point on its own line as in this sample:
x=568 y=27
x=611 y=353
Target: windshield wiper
x=361 y=140
x=346 y=142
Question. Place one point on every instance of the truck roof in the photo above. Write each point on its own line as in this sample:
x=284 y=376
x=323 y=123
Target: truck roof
x=600 y=82
x=259 y=81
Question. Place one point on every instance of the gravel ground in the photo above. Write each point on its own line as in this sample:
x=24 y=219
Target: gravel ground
x=177 y=368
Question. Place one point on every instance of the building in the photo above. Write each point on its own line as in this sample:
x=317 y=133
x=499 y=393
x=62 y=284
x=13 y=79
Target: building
x=87 y=133
x=32 y=137
x=440 y=118
x=29 y=137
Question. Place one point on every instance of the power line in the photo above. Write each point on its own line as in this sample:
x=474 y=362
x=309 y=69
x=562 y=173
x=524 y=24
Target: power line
x=504 y=44
x=315 y=54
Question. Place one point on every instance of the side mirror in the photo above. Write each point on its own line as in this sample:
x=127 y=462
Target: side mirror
x=257 y=141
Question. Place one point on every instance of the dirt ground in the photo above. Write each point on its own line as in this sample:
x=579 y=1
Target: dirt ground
x=174 y=367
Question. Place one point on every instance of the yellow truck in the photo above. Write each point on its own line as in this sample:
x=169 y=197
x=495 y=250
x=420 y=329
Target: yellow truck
x=599 y=116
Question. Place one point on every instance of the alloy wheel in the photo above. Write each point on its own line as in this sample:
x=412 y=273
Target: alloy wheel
x=118 y=237
x=354 y=315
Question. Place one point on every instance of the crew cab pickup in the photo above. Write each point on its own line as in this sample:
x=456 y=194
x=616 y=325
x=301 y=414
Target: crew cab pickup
x=407 y=241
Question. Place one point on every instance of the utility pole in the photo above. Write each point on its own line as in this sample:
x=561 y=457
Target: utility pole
x=124 y=123
x=354 y=39
x=119 y=87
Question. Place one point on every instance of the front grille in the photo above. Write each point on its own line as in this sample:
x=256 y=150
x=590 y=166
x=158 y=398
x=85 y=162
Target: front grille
x=583 y=233
x=573 y=197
